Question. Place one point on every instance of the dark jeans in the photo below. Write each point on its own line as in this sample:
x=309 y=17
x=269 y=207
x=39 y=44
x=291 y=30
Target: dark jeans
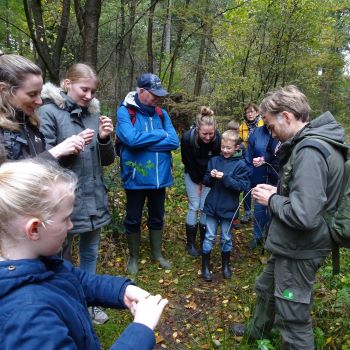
x=135 y=201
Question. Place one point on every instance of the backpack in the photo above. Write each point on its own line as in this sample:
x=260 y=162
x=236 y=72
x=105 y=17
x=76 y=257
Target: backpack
x=132 y=114
x=339 y=220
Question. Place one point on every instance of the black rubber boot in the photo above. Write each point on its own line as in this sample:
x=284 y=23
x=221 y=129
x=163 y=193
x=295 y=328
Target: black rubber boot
x=191 y=232
x=202 y=229
x=226 y=270
x=206 y=274
x=155 y=237
x=133 y=240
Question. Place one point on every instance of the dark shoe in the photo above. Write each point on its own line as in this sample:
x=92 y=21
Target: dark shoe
x=156 y=237
x=226 y=270
x=191 y=232
x=133 y=240
x=206 y=274
x=246 y=218
x=254 y=244
x=237 y=329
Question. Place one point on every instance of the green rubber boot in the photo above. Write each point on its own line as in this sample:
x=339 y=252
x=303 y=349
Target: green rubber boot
x=155 y=237
x=133 y=240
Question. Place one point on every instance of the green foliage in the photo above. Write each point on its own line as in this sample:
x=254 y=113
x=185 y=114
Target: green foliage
x=140 y=167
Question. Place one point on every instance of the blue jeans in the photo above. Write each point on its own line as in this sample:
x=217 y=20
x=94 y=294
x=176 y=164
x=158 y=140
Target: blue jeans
x=88 y=249
x=261 y=220
x=196 y=199
x=135 y=201
x=210 y=234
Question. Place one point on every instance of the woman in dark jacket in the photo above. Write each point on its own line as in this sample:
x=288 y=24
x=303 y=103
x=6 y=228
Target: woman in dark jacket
x=262 y=158
x=20 y=87
x=198 y=145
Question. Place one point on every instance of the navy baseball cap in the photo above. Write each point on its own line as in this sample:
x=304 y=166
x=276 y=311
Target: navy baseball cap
x=151 y=83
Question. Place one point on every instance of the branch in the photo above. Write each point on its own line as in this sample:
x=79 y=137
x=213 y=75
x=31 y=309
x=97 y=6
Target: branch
x=124 y=36
x=13 y=25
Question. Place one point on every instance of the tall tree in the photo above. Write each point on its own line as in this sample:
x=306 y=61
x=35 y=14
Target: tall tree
x=88 y=18
x=49 y=50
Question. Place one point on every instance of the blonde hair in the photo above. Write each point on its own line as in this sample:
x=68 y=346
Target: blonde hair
x=289 y=99
x=233 y=125
x=230 y=135
x=79 y=71
x=205 y=117
x=26 y=188
x=14 y=70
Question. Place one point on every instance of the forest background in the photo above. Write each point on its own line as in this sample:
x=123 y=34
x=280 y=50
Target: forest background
x=221 y=53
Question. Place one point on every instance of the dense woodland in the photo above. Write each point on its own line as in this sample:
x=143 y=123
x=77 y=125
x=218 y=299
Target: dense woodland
x=221 y=53
x=218 y=52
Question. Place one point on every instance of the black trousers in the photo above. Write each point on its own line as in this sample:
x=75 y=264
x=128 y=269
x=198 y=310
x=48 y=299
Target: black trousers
x=135 y=201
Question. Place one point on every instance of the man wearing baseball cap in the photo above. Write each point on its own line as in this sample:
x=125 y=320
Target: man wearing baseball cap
x=147 y=138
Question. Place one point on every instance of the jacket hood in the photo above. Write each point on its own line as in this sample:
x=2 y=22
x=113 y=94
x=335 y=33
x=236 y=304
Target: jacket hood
x=60 y=99
x=129 y=100
x=325 y=125
x=14 y=273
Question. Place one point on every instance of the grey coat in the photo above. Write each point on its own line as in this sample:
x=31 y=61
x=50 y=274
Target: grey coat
x=61 y=118
x=297 y=229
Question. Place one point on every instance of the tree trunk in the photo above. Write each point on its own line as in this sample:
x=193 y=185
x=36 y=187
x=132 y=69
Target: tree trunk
x=88 y=20
x=150 y=37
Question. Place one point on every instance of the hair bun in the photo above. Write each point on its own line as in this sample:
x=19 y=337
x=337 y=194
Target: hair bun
x=206 y=111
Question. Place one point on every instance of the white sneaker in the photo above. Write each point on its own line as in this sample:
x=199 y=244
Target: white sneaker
x=97 y=315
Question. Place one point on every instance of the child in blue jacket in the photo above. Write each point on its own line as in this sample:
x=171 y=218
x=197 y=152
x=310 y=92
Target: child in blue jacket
x=44 y=299
x=227 y=175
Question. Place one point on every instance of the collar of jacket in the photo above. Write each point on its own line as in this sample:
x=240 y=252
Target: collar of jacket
x=53 y=94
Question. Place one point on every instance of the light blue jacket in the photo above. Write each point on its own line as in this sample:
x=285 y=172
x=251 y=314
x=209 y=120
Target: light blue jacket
x=145 y=155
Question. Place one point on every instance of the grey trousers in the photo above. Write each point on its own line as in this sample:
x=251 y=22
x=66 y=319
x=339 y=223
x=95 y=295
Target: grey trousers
x=284 y=299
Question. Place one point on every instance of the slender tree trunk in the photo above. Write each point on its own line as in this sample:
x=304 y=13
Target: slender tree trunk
x=150 y=36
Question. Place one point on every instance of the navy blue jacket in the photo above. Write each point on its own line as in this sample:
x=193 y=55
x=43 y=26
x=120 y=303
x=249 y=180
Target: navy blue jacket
x=223 y=197
x=43 y=305
x=145 y=154
x=261 y=144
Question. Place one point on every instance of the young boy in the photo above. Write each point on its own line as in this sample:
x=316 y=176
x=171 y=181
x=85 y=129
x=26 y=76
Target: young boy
x=227 y=175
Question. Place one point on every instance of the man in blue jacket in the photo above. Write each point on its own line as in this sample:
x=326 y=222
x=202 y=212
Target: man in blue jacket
x=147 y=138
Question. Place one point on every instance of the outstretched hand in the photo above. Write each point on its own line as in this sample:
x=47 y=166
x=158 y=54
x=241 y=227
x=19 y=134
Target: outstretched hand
x=71 y=145
x=262 y=193
x=149 y=310
x=134 y=294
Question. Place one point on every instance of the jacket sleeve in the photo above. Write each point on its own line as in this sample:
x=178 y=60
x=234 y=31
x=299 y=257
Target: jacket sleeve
x=106 y=149
x=102 y=290
x=170 y=142
x=188 y=160
x=302 y=210
x=208 y=180
x=48 y=126
x=135 y=337
x=237 y=180
x=36 y=327
x=131 y=136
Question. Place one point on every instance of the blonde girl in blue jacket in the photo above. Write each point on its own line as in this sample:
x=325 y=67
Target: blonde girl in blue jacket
x=44 y=299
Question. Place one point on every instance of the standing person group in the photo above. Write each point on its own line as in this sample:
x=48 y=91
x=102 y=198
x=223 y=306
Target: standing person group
x=198 y=145
x=68 y=110
x=147 y=138
x=298 y=237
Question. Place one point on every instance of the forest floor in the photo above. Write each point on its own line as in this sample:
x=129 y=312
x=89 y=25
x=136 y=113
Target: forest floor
x=200 y=313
